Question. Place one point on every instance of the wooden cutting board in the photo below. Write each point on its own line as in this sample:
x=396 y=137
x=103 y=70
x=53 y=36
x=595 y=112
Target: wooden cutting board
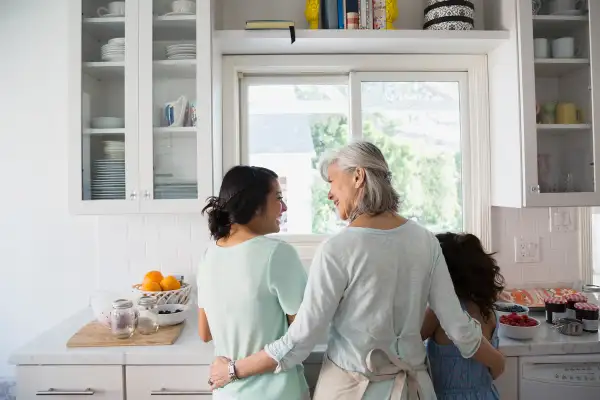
x=96 y=335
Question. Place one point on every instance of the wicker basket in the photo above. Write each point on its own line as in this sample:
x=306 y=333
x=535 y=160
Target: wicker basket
x=179 y=296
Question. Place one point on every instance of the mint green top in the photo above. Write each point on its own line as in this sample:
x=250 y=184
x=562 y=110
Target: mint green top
x=246 y=291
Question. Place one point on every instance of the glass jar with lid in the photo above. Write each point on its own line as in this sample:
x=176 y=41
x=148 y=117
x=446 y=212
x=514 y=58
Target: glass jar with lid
x=148 y=315
x=123 y=319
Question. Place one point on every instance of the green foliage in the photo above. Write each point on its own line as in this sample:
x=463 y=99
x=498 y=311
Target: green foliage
x=425 y=176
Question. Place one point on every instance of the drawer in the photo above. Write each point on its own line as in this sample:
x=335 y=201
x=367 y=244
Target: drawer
x=164 y=382
x=70 y=382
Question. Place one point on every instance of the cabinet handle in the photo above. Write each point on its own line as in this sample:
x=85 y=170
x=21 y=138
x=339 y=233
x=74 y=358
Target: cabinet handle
x=56 y=392
x=535 y=189
x=147 y=194
x=132 y=196
x=166 y=392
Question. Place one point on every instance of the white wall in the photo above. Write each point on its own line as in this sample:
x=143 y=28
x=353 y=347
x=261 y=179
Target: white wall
x=52 y=261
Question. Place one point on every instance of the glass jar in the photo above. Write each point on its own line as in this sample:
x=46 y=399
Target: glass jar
x=556 y=308
x=588 y=314
x=148 y=315
x=593 y=293
x=123 y=319
x=573 y=299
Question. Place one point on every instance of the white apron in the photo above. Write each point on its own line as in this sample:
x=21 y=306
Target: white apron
x=336 y=383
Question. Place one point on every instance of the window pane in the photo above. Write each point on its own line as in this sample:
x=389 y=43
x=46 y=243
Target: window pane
x=289 y=128
x=417 y=127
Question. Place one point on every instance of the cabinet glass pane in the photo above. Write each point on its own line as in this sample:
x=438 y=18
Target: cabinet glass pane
x=417 y=127
x=563 y=96
x=174 y=100
x=103 y=100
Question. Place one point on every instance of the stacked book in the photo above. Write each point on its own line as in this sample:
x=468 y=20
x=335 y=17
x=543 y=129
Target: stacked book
x=353 y=14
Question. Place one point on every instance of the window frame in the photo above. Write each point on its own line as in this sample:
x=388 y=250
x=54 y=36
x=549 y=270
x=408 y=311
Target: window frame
x=474 y=121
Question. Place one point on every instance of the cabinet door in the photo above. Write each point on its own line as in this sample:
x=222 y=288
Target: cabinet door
x=175 y=128
x=558 y=113
x=168 y=382
x=508 y=383
x=70 y=382
x=103 y=68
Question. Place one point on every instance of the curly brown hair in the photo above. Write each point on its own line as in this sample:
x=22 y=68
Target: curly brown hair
x=475 y=273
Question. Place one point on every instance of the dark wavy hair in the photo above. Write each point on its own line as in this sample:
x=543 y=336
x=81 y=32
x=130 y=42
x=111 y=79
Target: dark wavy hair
x=475 y=273
x=243 y=194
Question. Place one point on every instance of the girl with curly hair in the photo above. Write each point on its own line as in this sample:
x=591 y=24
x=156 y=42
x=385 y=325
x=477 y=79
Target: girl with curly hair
x=477 y=283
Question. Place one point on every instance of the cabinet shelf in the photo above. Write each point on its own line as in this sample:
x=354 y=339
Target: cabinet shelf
x=175 y=68
x=105 y=69
x=327 y=41
x=178 y=129
x=564 y=127
x=91 y=131
x=557 y=25
x=556 y=67
x=105 y=28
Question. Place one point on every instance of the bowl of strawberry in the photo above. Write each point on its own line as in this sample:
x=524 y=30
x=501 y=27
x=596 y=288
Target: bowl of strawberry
x=520 y=327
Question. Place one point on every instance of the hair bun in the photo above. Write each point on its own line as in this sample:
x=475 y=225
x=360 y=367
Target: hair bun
x=219 y=221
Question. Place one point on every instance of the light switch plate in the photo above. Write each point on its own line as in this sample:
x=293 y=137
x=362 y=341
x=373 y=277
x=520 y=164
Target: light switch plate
x=562 y=219
x=527 y=249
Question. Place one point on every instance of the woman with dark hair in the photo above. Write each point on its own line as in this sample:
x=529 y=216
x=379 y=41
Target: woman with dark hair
x=249 y=286
x=477 y=283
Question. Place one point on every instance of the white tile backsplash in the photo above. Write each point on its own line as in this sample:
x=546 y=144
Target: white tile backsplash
x=559 y=251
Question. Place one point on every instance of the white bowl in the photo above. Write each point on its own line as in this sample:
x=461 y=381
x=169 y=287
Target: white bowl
x=518 y=332
x=172 y=319
x=108 y=123
x=507 y=304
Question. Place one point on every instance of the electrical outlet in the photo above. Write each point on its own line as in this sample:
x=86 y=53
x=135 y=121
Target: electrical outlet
x=562 y=219
x=527 y=249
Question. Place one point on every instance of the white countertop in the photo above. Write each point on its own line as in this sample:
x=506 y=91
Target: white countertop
x=50 y=347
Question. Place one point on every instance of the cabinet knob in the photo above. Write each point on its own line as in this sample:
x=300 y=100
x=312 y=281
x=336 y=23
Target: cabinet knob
x=133 y=196
x=535 y=189
x=147 y=195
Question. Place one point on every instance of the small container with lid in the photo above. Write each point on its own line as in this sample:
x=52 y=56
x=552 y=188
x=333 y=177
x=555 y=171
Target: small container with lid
x=556 y=308
x=123 y=319
x=588 y=314
x=571 y=300
x=148 y=315
x=593 y=293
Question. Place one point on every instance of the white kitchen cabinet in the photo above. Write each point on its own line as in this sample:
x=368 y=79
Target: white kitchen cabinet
x=144 y=165
x=549 y=164
x=168 y=382
x=70 y=382
x=508 y=383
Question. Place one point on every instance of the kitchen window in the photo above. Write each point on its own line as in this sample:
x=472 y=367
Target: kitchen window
x=287 y=118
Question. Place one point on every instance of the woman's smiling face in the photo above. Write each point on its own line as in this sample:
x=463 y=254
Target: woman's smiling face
x=344 y=188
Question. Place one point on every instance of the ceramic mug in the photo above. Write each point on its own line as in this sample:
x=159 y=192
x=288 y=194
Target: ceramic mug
x=183 y=6
x=549 y=113
x=563 y=47
x=115 y=8
x=541 y=48
x=568 y=113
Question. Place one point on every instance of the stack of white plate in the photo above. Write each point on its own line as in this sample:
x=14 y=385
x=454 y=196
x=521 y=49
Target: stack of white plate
x=114 y=150
x=183 y=51
x=108 y=179
x=114 y=50
x=173 y=189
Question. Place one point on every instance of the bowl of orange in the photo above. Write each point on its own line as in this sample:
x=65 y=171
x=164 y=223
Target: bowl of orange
x=165 y=289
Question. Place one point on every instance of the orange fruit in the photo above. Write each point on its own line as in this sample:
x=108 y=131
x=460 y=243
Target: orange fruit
x=154 y=276
x=150 y=286
x=170 y=283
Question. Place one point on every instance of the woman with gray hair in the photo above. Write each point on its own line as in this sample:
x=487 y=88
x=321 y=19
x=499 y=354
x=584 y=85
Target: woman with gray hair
x=371 y=284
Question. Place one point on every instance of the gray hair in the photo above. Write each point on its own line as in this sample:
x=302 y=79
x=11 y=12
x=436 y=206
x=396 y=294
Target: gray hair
x=378 y=194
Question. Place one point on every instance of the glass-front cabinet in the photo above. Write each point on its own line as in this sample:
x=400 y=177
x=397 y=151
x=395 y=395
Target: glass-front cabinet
x=139 y=143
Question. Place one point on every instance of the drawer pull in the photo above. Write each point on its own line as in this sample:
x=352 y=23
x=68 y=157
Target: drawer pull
x=167 y=392
x=57 y=392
